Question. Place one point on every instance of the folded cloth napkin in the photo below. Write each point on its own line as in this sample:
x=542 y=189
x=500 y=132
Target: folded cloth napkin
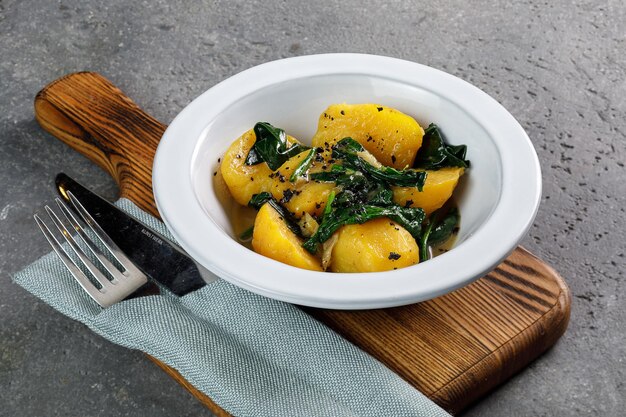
x=252 y=355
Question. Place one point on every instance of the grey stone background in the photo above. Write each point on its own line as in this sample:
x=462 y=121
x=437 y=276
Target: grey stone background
x=559 y=67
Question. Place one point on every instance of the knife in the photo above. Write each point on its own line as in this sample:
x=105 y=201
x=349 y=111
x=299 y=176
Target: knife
x=157 y=256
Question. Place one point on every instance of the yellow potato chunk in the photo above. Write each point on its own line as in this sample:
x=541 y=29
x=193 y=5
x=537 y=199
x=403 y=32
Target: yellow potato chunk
x=310 y=198
x=302 y=195
x=377 y=245
x=437 y=190
x=272 y=238
x=243 y=180
x=391 y=136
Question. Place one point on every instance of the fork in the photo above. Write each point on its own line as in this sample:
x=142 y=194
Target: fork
x=120 y=283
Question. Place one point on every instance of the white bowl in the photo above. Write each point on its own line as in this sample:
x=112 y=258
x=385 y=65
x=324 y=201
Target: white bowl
x=499 y=195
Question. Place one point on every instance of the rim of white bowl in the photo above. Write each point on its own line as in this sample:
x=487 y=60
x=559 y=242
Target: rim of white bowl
x=190 y=224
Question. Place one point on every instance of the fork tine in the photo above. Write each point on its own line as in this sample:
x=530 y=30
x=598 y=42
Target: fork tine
x=99 y=276
x=106 y=264
x=78 y=275
x=117 y=253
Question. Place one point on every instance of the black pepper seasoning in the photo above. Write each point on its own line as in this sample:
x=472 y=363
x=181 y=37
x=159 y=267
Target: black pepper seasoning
x=394 y=256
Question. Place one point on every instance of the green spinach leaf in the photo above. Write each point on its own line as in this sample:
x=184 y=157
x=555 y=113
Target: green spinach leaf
x=271 y=147
x=304 y=165
x=380 y=196
x=247 y=234
x=259 y=199
x=329 y=204
x=422 y=242
x=347 y=149
x=444 y=227
x=355 y=186
x=435 y=153
x=440 y=227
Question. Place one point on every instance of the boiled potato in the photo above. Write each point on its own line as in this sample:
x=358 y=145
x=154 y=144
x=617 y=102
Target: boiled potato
x=309 y=197
x=272 y=238
x=376 y=245
x=301 y=196
x=437 y=190
x=391 y=136
x=244 y=181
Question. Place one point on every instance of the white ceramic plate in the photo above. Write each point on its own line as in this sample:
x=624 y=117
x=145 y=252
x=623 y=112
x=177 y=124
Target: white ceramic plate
x=499 y=195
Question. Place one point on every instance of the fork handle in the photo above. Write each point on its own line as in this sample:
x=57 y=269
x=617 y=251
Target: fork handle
x=88 y=113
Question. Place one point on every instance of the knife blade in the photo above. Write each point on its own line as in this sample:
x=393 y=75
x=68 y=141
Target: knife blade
x=157 y=256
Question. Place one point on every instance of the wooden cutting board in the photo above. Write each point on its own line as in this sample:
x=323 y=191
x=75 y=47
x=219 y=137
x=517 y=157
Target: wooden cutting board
x=454 y=349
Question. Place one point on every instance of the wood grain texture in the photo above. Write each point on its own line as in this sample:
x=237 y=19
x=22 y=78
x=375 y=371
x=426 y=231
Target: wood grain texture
x=454 y=349
x=94 y=117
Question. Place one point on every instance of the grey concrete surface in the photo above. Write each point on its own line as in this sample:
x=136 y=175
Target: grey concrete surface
x=559 y=67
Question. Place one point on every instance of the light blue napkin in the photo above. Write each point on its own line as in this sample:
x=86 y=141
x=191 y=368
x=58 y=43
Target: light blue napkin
x=252 y=355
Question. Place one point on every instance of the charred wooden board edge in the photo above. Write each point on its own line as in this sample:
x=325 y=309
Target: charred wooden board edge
x=532 y=342
x=125 y=153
